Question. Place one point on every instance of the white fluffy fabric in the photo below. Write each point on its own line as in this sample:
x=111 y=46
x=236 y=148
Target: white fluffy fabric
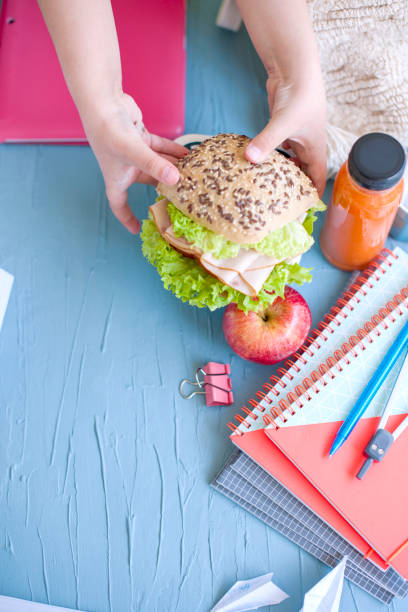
x=363 y=47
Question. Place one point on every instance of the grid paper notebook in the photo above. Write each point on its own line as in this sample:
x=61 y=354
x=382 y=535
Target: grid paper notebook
x=233 y=481
x=243 y=481
x=272 y=489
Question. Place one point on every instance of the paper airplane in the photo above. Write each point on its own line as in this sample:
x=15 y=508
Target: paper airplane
x=326 y=594
x=250 y=595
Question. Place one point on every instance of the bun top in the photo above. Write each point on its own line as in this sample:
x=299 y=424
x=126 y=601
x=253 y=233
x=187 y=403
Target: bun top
x=244 y=202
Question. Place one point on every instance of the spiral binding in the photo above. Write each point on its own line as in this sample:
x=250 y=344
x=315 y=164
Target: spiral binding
x=341 y=357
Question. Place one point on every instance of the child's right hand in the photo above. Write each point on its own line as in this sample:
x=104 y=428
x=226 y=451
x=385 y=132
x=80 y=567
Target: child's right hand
x=127 y=153
x=90 y=60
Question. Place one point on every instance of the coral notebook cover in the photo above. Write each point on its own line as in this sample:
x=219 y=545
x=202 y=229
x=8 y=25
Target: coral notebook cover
x=35 y=105
x=333 y=366
x=257 y=446
x=377 y=505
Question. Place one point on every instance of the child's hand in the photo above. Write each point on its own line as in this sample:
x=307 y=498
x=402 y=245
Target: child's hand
x=127 y=153
x=297 y=114
x=283 y=37
x=90 y=60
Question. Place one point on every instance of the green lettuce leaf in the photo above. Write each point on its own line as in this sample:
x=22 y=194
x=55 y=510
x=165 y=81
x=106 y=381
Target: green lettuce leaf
x=188 y=280
x=201 y=237
x=311 y=217
x=283 y=243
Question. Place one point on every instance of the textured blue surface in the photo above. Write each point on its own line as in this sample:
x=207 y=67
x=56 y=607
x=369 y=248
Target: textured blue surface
x=104 y=469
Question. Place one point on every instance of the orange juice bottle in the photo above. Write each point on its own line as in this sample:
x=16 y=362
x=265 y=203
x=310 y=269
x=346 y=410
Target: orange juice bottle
x=365 y=199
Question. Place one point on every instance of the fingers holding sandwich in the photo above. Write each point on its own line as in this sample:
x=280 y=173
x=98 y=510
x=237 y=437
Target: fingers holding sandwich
x=297 y=120
x=136 y=163
x=230 y=231
x=128 y=153
x=117 y=198
x=312 y=156
x=143 y=166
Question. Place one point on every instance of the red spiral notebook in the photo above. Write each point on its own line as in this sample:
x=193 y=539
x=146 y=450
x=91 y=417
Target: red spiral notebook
x=295 y=416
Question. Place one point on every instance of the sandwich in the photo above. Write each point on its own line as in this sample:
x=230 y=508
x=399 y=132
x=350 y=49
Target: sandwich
x=229 y=230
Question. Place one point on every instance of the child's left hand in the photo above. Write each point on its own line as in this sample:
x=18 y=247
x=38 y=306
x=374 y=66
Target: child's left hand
x=297 y=112
x=283 y=36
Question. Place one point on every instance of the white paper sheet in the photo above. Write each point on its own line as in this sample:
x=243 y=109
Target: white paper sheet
x=326 y=594
x=6 y=282
x=250 y=595
x=11 y=604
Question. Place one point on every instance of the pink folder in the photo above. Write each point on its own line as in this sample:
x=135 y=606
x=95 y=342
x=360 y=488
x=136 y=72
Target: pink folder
x=35 y=105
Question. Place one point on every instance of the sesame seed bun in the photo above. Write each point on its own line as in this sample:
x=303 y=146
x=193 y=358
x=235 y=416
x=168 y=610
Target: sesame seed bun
x=244 y=202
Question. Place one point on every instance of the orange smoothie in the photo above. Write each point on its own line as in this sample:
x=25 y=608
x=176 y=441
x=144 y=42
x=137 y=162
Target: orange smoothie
x=365 y=199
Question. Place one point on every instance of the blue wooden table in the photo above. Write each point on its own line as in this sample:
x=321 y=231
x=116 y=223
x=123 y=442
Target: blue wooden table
x=105 y=501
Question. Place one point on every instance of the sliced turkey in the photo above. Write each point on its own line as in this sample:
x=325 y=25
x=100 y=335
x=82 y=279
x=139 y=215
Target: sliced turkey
x=160 y=215
x=163 y=224
x=251 y=269
x=247 y=272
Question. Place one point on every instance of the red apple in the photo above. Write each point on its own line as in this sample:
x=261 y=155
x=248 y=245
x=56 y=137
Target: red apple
x=271 y=334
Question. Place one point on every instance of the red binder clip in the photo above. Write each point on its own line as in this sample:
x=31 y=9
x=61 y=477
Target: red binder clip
x=215 y=378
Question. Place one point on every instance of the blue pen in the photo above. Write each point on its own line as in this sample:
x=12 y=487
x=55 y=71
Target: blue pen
x=381 y=373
